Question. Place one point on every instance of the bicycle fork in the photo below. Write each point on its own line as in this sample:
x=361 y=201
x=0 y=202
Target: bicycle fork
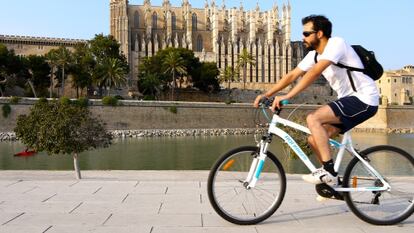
x=257 y=164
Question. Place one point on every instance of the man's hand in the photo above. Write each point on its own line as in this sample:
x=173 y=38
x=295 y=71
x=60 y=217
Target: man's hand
x=257 y=100
x=276 y=102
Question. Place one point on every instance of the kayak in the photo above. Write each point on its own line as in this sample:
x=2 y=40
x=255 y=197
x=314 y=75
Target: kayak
x=26 y=153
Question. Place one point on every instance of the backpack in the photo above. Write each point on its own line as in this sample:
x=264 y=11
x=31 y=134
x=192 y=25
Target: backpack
x=372 y=68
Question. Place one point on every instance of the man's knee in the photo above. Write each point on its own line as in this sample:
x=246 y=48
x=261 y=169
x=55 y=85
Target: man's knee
x=311 y=141
x=311 y=119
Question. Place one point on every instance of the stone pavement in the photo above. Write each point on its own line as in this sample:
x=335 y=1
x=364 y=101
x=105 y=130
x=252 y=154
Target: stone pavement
x=155 y=202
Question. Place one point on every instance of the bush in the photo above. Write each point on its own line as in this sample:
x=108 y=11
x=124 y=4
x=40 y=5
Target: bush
x=6 y=110
x=65 y=101
x=149 y=97
x=173 y=109
x=230 y=101
x=82 y=102
x=109 y=101
x=14 y=100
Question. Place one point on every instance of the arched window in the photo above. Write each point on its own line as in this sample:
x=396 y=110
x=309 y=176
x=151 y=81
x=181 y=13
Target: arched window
x=194 y=20
x=133 y=42
x=136 y=19
x=154 y=20
x=173 y=21
x=199 y=43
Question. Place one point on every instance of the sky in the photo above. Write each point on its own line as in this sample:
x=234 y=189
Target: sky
x=384 y=26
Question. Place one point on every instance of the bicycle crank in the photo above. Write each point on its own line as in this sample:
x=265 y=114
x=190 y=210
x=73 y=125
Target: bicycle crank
x=327 y=191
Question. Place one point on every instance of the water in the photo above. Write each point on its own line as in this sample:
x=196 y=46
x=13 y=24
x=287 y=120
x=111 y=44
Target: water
x=182 y=153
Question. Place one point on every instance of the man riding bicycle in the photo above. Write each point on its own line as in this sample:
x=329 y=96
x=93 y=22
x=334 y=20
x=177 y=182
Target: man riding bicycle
x=356 y=103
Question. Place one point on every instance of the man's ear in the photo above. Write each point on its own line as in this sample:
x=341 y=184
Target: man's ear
x=319 y=34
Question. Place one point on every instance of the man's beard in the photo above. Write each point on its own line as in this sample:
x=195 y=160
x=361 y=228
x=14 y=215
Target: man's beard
x=312 y=46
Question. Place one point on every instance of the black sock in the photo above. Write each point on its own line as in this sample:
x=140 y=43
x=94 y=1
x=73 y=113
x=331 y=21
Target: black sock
x=329 y=167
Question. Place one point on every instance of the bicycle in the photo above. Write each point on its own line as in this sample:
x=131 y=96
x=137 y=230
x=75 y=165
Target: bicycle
x=245 y=190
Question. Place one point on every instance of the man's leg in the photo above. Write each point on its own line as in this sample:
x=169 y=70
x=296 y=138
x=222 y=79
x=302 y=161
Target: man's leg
x=332 y=132
x=317 y=122
x=319 y=125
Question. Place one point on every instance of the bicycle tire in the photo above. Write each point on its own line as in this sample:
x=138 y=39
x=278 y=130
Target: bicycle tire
x=384 y=207
x=226 y=183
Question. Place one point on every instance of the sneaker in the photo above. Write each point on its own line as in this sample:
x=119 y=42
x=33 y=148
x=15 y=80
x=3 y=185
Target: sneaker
x=320 y=176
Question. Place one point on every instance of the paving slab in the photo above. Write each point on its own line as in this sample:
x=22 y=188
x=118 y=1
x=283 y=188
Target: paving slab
x=156 y=202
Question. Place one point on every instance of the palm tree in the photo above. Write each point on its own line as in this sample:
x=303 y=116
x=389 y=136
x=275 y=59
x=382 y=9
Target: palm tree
x=29 y=81
x=64 y=58
x=245 y=58
x=174 y=64
x=51 y=59
x=82 y=68
x=150 y=84
x=228 y=74
x=111 y=73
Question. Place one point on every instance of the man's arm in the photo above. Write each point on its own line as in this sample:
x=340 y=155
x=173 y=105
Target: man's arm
x=306 y=81
x=284 y=82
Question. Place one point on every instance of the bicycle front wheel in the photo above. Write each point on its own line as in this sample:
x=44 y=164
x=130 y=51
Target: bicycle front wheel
x=381 y=207
x=228 y=193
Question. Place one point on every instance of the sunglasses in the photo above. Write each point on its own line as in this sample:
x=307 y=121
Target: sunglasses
x=308 y=33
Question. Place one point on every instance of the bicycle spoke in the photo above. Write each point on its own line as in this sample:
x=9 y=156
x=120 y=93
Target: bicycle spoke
x=238 y=204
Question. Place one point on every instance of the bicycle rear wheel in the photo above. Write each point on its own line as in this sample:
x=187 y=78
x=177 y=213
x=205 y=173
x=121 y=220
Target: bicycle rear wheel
x=382 y=207
x=229 y=196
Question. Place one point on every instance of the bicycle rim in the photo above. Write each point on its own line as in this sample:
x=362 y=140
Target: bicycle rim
x=384 y=207
x=232 y=200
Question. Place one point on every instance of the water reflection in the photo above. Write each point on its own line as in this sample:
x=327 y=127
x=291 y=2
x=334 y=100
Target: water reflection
x=182 y=153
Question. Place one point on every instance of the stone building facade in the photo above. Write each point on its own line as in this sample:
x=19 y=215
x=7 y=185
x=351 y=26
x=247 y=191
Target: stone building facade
x=397 y=86
x=214 y=33
x=29 y=45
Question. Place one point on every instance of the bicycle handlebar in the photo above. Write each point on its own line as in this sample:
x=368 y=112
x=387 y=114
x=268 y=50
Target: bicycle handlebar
x=267 y=102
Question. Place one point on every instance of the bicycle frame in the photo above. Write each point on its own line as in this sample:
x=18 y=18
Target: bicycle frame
x=346 y=144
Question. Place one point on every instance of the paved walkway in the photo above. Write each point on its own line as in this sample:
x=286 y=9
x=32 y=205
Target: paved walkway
x=155 y=202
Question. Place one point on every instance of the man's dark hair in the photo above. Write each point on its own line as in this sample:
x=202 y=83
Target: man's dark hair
x=320 y=23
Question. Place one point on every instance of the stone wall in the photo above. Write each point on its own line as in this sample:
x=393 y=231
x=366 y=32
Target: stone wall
x=136 y=115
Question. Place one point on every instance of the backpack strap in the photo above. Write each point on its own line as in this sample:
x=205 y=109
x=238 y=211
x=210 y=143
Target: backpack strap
x=348 y=71
x=351 y=80
x=350 y=67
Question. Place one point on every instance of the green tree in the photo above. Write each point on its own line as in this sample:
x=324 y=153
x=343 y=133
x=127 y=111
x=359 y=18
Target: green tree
x=245 y=58
x=82 y=69
x=102 y=47
x=111 y=73
x=64 y=59
x=52 y=61
x=174 y=65
x=150 y=85
x=229 y=75
x=106 y=52
x=61 y=127
x=206 y=77
x=12 y=69
x=39 y=71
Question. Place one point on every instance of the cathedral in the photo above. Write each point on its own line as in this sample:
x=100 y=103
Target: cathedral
x=215 y=34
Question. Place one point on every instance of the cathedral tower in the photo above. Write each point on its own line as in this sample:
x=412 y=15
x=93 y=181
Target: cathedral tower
x=119 y=23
